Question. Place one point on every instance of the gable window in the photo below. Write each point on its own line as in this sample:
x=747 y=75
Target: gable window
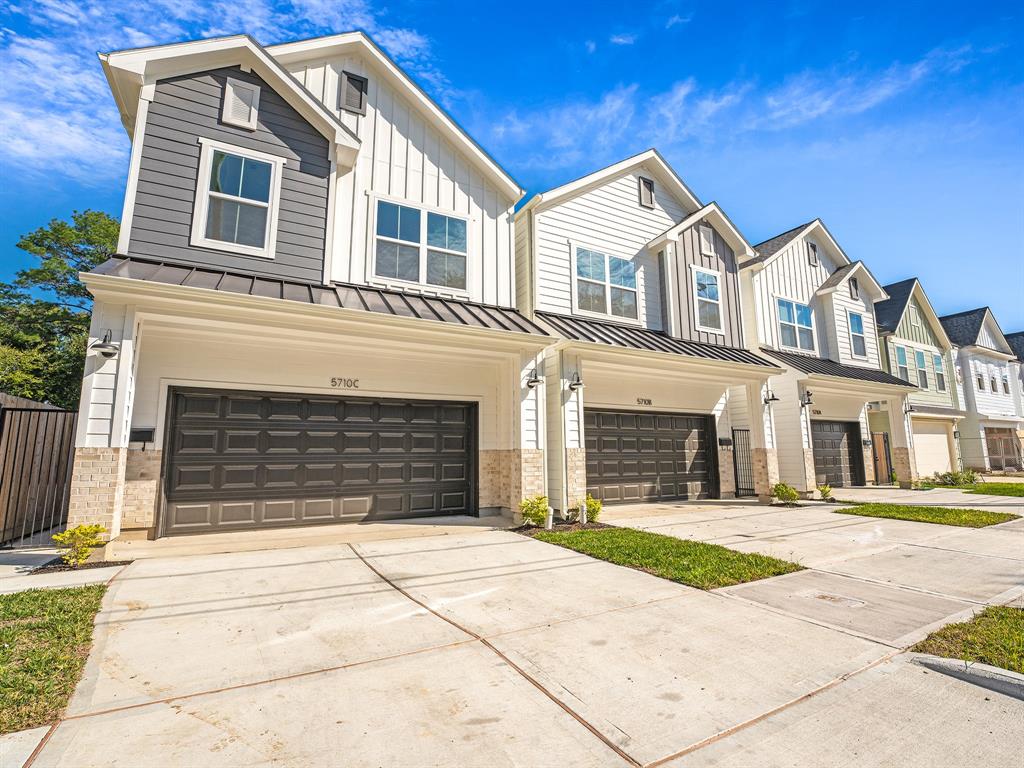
x=707 y=300
x=858 y=340
x=646 y=192
x=352 y=94
x=922 y=370
x=1006 y=385
x=707 y=240
x=796 y=325
x=241 y=104
x=236 y=200
x=854 y=289
x=902 y=368
x=605 y=284
x=420 y=246
x=812 y=254
x=940 y=373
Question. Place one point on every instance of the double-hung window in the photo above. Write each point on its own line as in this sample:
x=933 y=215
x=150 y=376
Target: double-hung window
x=796 y=325
x=992 y=381
x=981 y=382
x=922 y=370
x=1006 y=384
x=707 y=300
x=902 y=368
x=940 y=373
x=605 y=284
x=418 y=246
x=237 y=198
x=858 y=340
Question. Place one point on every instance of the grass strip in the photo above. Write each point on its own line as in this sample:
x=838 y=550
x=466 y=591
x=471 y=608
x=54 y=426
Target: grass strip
x=965 y=518
x=995 y=636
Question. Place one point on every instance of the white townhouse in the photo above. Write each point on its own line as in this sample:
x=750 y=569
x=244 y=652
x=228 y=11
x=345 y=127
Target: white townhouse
x=811 y=310
x=311 y=316
x=1016 y=342
x=650 y=392
x=987 y=370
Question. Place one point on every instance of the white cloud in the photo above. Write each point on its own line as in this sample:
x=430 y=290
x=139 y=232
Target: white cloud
x=591 y=46
x=678 y=19
x=622 y=39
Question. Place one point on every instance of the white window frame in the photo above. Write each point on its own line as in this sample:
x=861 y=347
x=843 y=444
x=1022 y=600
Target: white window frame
x=904 y=365
x=849 y=329
x=1006 y=384
x=778 y=325
x=422 y=286
x=940 y=372
x=921 y=364
x=575 y=245
x=198 y=236
x=230 y=86
x=694 y=270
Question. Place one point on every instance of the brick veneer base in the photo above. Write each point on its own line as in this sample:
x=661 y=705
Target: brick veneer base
x=141 y=485
x=576 y=474
x=766 y=471
x=726 y=473
x=509 y=476
x=97 y=488
x=903 y=466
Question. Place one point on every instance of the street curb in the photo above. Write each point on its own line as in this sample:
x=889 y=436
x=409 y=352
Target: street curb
x=983 y=675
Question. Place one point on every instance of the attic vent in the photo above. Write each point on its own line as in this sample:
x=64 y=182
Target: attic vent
x=707 y=240
x=854 y=288
x=812 y=254
x=241 y=104
x=646 y=192
x=352 y=97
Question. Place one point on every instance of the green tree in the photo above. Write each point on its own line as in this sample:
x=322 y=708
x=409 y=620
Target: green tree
x=44 y=312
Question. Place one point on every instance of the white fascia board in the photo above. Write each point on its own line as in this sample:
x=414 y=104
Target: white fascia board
x=712 y=212
x=321 y=47
x=689 y=365
x=860 y=387
x=859 y=268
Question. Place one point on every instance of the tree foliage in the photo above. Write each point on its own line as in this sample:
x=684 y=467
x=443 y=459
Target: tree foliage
x=44 y=312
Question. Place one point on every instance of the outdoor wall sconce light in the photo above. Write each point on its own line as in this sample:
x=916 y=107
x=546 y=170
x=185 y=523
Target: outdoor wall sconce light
x=534 y=379
x=956 y=434
x=105 y=347
x=805 y=399
x=908 y=408
x=770 y=398
x=576 y=382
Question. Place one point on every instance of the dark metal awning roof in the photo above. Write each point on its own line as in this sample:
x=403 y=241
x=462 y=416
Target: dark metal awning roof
x=824 y=367
x=339 y=295
x=630 y=337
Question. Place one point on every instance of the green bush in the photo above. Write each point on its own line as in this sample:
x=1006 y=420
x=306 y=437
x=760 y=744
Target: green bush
x=75 y=544
x=534 y=510
x=963 y=477
x=825 y=490
x=594 y=507
x=787 y=494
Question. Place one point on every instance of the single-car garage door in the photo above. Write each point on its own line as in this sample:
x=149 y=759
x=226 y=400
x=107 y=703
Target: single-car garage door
x=931 y=447
x=647 y=456
x=838 y=458
x=238 y=460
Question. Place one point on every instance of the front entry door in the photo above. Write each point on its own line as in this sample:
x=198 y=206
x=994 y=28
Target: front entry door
x=881 y=456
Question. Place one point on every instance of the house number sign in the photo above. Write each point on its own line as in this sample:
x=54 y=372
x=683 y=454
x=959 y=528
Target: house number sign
x=341 y=382
x=644 y=401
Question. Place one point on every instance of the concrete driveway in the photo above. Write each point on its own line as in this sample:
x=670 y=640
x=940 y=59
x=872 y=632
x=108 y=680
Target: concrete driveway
x=490 y=649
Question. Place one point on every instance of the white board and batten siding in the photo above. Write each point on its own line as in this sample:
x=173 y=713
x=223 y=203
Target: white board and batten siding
x=843 y=304
x=607 y=218
x=403 y=157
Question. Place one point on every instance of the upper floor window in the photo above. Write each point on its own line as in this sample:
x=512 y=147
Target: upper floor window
x=854 y=289
x=812 y=254
x=796 y=325
x=902 y=367
x=922 y=369
x=605 y=284
x=236 y=200
x=707 y=300
x=857 y=338
x=940 y=373
x=981 y=382
x=646 y=192
x=420 y=246
x=992 y=382
x=1006 y=384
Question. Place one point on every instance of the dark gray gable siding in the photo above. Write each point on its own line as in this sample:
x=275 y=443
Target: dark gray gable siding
x=724 y=262
x=188 y=107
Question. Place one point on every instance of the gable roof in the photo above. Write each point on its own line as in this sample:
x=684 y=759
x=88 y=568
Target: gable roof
x=1016 y=342
x=773 y=245
x=717 y=216
x=889 y=313
x=771 y=248
x=132 y=70
x=651 y=157
x=963 y=327
x=320 y=47
x=849 y=270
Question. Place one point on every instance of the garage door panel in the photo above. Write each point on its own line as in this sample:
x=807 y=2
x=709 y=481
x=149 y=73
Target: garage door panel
x=838 y=459
x=240 y=408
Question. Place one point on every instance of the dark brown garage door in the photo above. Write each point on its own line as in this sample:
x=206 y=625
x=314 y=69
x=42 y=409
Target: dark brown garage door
x=238 y=460
x=838 y=459
x=647 y=456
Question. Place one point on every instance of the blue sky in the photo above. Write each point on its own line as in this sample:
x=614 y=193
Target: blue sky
x=900 y=124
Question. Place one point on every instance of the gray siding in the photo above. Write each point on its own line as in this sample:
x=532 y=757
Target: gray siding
x=188 y=107
x=682 y=277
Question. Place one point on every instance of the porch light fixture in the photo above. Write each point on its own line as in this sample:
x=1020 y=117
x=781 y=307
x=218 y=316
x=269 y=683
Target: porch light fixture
x=805 y=399
x=770 y=398
x=534 y=379
x=908 y=408
x=576 y=382
x=956 y=434
x=105 y=347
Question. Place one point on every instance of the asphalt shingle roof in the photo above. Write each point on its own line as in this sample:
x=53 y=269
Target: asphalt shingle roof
x=1016 y=342
x=963 y=327
x=837 y=277
x=889 y=312
x=773 y=245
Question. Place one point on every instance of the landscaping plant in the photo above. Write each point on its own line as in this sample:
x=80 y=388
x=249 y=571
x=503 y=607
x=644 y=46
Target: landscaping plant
x=76 y=544
x=786 y=494
x=826 y=492
x=962 y=477
x=534 y=510
x=593 y=510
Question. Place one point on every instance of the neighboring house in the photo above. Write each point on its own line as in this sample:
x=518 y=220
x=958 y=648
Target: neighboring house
x=311 y=314
x=812 y=310
x=914 y=346
x=640 y=281
x=987 y=367
x=1016 y=342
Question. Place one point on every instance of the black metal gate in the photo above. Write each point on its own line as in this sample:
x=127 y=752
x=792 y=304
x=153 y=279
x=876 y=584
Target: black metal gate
x=37 y=447
x=743 y=462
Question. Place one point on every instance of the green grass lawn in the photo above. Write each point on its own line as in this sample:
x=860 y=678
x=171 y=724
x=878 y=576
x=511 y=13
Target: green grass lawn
x=988 y=489
x=705 y=566
x=966 y=518
x=45 y=636
x=995 y=636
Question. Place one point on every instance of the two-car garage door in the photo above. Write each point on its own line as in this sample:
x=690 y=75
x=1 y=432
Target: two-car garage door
x=240 y=460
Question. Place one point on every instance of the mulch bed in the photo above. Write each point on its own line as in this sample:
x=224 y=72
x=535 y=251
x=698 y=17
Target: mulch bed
x=531 y=530
x=56 y=565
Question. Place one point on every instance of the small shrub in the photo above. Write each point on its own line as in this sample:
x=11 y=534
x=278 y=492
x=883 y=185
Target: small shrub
x=75 y=544
x=961 y=478
x=787 y=494
x=825 y=490
x=534 y=510
x=593 y=511
x=892 y=478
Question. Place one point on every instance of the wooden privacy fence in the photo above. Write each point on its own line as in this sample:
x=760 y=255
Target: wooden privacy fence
x=37 y=446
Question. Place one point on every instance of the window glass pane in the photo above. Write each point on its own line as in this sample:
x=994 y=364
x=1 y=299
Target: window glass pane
x=589 y=264
x=437 y=230
x=225 y=173
x=457 y=235
x=709 y=314
x=590 y=297
x=408 y=224
x=803 y=315
x=252 y=225
x=707 y=286
x=401 y=262
x=922 y=378
x=937 y=362
x=446 y=269
x=622 y=272
x=786 y=314
x=857 y=323
x=233 y=222
x=387 y=220
x=623 y=303
x=901 y=355
x=806 y=339
x=859 y=347
x=789 y=335
x=255 y=180
x=919 y=359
